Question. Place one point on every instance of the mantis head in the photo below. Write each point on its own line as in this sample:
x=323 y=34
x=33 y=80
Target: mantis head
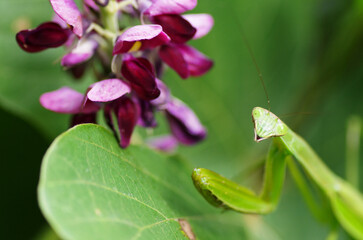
x=267 y=124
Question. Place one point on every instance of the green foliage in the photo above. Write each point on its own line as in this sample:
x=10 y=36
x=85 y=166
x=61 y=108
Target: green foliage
x=91 y=189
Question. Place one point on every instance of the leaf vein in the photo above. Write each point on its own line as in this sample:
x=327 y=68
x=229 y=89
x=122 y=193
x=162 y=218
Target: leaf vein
x=55 y=183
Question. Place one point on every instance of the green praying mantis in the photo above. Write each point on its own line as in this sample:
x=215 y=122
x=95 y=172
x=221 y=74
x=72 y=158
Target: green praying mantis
x=345 y=204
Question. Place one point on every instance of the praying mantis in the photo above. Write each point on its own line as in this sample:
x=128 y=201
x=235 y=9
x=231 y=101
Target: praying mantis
x=345 y=203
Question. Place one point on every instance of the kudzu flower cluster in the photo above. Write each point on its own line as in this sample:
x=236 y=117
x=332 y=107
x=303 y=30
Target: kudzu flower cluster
x=130 y=41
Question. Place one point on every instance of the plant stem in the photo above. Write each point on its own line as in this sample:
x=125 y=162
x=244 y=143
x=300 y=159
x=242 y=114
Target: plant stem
x=352 y=155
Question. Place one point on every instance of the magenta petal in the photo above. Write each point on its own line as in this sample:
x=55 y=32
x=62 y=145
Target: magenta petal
x=198 y=63
x=107 y=113
x=202 y=22
x=60 y=21
x=170 y=7
x=46 y=35
x=89 y=107
x=164 y=96
x=69 y=12
x=91 y=4
x=108 y=90
x=173 y=57
x=146 y=112
x=127 y=116
x=81 y=53
x=177 y=28
x=149 y=35
x=102 y=3
x=78 y=70
x=83 y=118
x=139 y=72
x=166 y=143
x=143 y=5
x=63 y=100
x=184 y=124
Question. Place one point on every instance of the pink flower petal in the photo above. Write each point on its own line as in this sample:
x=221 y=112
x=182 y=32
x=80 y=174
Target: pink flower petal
x=202 y=22
x=166 y=143
x=173 y=57
x=184 y=124
x=108 y=90
x=149 y=36
x=159 y=7
x=63 y=100
x=198 y=63
x=164 y=96
x=146 y=113
x=81 y=53
x=69 y=12
x=177 y=28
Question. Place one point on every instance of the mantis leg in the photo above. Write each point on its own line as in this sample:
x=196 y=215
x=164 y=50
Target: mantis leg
x=222 y=192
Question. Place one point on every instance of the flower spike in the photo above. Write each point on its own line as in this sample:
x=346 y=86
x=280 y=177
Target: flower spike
x=127 y=61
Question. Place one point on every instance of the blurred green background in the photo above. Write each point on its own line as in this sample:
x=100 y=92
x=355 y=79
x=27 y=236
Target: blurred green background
x=311 y=57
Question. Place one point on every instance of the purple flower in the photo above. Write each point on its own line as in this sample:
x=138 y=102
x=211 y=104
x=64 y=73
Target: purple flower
x=158 y=7
x=68 y=11
x=139 y=38
x=177 y=28
x=185 y=60
x=67 y=100
x=91 y=4
x=127 y=115
x=46 y=35
x=112 y=92
x=140 y=73
x=102 y=3
x=166 y=143
x=164 y=97
x=107 y=90
x=184 y=124
x=82 y=118
x=81 y=53
x=202 y=22
x=146 y=113
x=78 y=70
x=133 y=60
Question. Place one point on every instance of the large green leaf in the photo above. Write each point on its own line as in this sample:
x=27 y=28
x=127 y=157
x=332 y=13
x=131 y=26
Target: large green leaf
x=92 y=189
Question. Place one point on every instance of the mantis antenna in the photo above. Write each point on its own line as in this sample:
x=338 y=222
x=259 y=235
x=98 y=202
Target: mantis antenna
x=244 y=39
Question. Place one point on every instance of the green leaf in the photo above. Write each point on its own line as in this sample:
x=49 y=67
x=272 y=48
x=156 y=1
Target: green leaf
x=90 y=188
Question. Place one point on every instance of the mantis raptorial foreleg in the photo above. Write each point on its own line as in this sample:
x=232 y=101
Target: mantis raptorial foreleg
x=345 y=202
x=241 y=199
